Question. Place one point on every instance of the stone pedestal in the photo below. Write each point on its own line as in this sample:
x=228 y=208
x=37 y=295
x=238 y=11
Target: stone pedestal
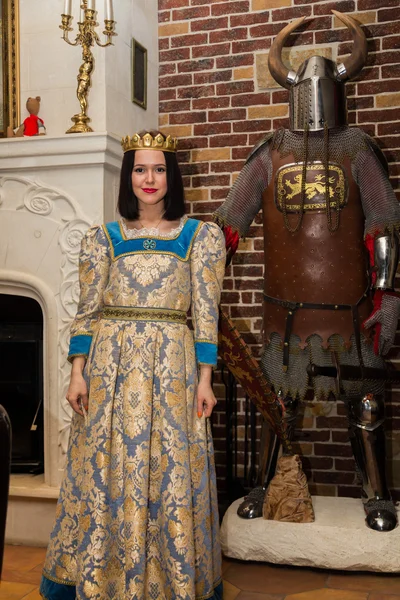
x=338 y=539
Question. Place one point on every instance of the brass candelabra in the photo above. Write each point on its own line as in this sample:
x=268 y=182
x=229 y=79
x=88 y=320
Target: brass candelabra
x=87 y=37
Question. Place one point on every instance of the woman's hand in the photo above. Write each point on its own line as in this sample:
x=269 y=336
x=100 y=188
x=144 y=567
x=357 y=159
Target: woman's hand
x=77 y=394
x=205 y=395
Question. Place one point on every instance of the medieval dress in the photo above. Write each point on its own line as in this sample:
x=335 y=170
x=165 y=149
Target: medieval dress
x=137 y=517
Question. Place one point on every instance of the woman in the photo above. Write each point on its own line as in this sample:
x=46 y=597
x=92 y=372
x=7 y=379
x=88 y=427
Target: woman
x=137 y=516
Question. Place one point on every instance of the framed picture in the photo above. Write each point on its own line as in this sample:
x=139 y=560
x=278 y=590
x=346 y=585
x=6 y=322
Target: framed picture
x=139 y=74
x=9 y=65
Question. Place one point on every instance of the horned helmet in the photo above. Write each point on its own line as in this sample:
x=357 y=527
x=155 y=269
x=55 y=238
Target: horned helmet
x=317 y=91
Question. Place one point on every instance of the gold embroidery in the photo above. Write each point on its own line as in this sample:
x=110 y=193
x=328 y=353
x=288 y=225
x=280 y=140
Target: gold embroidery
x=145 y=314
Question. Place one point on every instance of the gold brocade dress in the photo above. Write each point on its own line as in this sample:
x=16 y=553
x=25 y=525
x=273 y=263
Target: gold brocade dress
x=137 y=517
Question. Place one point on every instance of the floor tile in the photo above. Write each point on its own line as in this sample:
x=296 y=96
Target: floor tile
x=230 y=591
x=256 y=596
x=325 y=594
x=23 y=558
x=263 y=578
x=14 y=591
x=367 y=582
x=21 y=576
x=379 y=596
x=33 y=595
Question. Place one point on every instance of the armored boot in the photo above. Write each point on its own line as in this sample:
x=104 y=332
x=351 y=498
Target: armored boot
x=252 y=505
x=366 y=418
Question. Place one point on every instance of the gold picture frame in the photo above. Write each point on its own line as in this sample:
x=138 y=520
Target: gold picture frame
x=139 y=74
x=9 y=65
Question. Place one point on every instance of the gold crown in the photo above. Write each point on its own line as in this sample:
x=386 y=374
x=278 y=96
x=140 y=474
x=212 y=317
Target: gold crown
x=148 y=142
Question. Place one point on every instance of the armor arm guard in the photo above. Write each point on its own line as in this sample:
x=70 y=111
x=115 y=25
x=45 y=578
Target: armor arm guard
x=245 y=198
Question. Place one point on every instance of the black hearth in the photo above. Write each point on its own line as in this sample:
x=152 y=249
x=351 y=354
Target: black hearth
x=21 y=379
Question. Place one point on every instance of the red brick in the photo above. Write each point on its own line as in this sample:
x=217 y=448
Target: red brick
x=281 y=97
x=195 y=39
x=190 y=13
x=287 y=14
x=382 y=29
x=373 y=116
x=252 y=125
x=220 y=193
x=167 y=69
x=236 y=87
x=168 y=94
x=198 y=91
x=212 y=128
x=373 y=45
x=249 y=19
x=334 y=477
x=201 y=207
x=391 y=14
x=209 y=24
x=390 y=141
x=226 y=166
x=377 y=87
x=211 y=50
x=251 y=99
x=216 y=180
x=190 y=117
x=227 y=62
x=197 y=2
x=368 y=4
x=193 y=168
x=215 y=77
x=230 y=298
x=163 y=43
x=228 y=35
x=246 y=271
x=348 y=491
x=183 y=157
x=233 y=114
x=194 y=142
x=196 y=65
x=391 y=42
x=228 y=8
x=250 y=46
x=238 y=153
x=174 y=106
x=312 y=435
x=345 y=6
x=175 y=80
x=392 y=71
x=341 y=437
x=382 y=58
x=221 y=141
x=323 y=463
x=165 y=4
x=358 y=103
x=164 y=17
x=332 y=450
x=205 y=103
x=332 y=35
x=238 y=312
x=345 y=464
x=249 y=258
x=389 y=128
x=178 y=54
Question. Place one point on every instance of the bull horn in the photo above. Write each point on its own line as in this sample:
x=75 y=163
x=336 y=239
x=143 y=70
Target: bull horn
x=353 y=64
x=275 y=64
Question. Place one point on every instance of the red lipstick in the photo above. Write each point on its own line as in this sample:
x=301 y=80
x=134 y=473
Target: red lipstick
x=149 y=190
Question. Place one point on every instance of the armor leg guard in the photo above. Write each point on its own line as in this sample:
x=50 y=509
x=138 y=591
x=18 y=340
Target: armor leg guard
x=252 y=505
x=366 y=429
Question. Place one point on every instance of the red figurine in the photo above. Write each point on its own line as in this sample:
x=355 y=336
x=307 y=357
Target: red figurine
x=33 y=125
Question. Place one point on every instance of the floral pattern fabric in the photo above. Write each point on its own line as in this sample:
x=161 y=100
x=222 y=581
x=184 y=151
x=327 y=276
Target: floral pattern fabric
x=137 y=516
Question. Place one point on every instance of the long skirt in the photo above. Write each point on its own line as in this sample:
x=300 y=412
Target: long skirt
x=137 y=517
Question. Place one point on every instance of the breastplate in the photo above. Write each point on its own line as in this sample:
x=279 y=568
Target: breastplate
x=314 y=264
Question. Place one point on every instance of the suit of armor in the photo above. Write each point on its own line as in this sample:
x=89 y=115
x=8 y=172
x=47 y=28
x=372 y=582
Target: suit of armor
x=330 y=222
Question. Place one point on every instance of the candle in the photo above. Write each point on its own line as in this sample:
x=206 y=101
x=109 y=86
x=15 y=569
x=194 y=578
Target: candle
x=109 y=13
x=82 y=17
x=68 y=7
x=90 y=4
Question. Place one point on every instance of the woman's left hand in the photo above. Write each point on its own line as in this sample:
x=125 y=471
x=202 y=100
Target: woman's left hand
x=205 y=399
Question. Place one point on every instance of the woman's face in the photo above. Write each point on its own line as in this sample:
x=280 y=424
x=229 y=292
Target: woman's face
x=149 y=177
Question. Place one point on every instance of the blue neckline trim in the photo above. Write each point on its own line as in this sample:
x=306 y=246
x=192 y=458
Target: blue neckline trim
x=179 y=246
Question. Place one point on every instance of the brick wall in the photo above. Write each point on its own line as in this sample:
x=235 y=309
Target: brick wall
x=216 y=94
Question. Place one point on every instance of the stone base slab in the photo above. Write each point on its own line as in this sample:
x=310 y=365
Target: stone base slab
x=338 y=539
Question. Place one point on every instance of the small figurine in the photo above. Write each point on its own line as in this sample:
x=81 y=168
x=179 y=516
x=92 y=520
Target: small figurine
x=32 y=124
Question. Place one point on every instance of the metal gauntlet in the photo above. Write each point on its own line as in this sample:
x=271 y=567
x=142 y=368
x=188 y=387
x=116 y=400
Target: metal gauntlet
x=386 y=258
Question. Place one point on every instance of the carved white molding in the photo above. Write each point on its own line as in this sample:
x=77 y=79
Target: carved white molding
x=23 y=195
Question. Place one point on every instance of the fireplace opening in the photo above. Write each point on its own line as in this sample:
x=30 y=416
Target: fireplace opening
x=21 y=380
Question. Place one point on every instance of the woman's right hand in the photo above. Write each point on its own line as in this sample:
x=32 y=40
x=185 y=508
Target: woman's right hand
x=77 y=393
